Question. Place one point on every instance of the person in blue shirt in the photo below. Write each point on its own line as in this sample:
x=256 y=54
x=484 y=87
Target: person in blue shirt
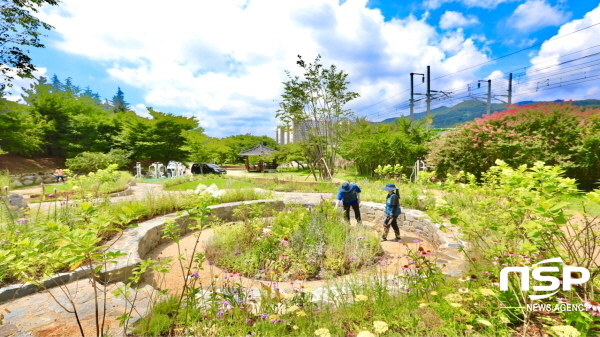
x=349 y=196
x=392 y=211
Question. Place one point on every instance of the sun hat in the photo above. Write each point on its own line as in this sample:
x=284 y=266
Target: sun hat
x=346 y=187
x=389 y=187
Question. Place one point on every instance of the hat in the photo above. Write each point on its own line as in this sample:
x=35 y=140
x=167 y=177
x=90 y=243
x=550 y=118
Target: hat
x=389 y=187
x=346 y=187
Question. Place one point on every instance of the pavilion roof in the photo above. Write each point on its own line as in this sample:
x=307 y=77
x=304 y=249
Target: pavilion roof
x=257 y=151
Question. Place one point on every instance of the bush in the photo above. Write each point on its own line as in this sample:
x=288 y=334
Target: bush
x=557 y=134
x=86 y=162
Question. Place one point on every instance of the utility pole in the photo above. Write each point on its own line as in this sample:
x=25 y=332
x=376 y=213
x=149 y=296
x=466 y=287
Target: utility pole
x=510 y=89
x=428 y=95
x=489 y=95
x=412 y=94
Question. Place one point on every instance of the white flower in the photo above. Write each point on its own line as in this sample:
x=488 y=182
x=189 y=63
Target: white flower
x=360 y=298
x=323 y=332
x=565 y=331
x=380 y=327
x=484 y=322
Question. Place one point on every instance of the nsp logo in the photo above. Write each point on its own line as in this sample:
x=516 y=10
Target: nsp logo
x=567 y=277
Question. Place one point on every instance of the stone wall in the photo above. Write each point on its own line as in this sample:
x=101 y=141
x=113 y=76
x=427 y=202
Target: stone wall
x=32 y=178
x=136 y=242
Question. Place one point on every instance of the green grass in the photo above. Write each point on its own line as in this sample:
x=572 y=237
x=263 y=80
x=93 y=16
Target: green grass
x=221 y=183
x=577 y=203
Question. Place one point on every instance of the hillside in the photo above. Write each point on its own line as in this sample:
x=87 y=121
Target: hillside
x=18 y=164
x=444 y=116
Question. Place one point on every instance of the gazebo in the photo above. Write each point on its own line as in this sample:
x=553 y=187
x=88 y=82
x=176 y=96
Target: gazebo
x=259 y=150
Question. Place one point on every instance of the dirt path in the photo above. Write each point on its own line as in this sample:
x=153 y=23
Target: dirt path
x=174 y=280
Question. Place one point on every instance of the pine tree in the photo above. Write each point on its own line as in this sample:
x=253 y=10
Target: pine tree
x=57 y=85
x=119 y=103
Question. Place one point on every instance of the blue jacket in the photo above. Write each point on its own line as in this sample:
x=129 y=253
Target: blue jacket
x=392 y=205
x=354 y=190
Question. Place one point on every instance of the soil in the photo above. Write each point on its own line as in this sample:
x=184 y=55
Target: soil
x=19 y=164
x=174 y=280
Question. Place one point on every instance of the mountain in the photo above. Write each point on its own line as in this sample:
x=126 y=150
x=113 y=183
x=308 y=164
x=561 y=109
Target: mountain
x=466 y=111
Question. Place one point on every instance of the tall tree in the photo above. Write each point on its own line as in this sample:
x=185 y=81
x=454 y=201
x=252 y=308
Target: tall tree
x=119 y=103
x=22 y=132
x=314 y=106
x=160 y=138
x=19 y=28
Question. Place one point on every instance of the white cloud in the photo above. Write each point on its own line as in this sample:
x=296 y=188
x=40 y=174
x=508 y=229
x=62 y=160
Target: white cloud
x=452 y=19
x=549 y=79
x=537 y=14
x=224 y=61
x=489 y=4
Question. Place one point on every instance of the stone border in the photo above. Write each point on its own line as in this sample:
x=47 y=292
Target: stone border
x=139 y=241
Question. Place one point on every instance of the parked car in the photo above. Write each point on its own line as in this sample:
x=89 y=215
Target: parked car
x=207 y=168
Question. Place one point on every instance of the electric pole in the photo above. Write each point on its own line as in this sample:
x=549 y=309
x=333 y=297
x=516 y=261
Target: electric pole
x=428 y=95
x=510 y=89
x=489 y=95
x=412 y=94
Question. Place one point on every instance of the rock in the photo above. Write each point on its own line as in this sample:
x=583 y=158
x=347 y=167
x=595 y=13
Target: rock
x=16 y=183
x=8 y=330
x=27 y=182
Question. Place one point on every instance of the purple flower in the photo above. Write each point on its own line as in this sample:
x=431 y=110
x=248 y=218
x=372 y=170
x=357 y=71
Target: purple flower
x=353 y=258
x=418 y=231
x=237 y=253
x=220 y=313
x=22 y=221
x=407 y=290
x=311 y=261
x=416 y=240
x=264 y=316
x=248 y=320
x=210 y=263
x=361 y=238
x=17 y=232
x=273 y=321
x=194 y=275
x=248 y=261
x=225 y=303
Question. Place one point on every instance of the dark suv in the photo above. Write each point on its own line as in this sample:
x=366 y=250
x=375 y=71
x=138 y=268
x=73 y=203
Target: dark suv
x=207 y=168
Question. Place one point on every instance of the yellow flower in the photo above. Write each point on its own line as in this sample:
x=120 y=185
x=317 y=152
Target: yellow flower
x=273 y=316
x=308 y=288
x=456 y=305
x=421 y=300
x=433 y=293
x=295 y=327
x=360 y=298
x=365 y=334
x=292 y=308
x=323 y=332
x=565 y=331
x=505 y=320
x=487 y=292
x=469 y=327
x=453 y=298
x=301 y=313
x=380 y=327
x=423 y=305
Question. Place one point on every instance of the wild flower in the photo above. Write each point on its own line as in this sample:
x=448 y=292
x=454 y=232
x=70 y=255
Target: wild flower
x=22 y=221
x=194 y=275
x=264 y=316
x=361 y=238
x=210 y=263
x=484 y=322
x=323 y=332
x=360 y=298
x=487 y=292
x=380 y=327
x=293 y=308
x=301 y=313
x=463 y=290
x=295 y=327
x=456 y=305
x=565 y=331
x=592 y=306
x=416 y=241
x=433 y=293
x=463 y=279
x=453 y=298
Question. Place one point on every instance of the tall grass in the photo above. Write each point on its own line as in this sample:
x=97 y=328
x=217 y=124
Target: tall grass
x=5 y=180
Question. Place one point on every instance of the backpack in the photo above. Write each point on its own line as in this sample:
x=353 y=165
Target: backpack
x=350 y=196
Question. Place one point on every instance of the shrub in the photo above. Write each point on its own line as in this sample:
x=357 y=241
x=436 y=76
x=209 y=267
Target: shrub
x=86 y=162
x=557 y=134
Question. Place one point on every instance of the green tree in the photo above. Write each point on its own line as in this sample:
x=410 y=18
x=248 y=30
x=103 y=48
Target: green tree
x=22 y=132
x=119 y=103
x=19 y=28
x=398 y=143
x=161 y=138
x=314 y=106
x=291 y=152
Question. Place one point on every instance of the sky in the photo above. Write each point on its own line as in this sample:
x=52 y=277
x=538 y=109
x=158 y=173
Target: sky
x=224 y=61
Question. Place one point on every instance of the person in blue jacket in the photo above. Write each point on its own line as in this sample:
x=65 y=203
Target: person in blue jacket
x=392 y=211
x=349 y=196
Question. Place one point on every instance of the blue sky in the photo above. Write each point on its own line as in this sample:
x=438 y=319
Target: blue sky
x=224 y=61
